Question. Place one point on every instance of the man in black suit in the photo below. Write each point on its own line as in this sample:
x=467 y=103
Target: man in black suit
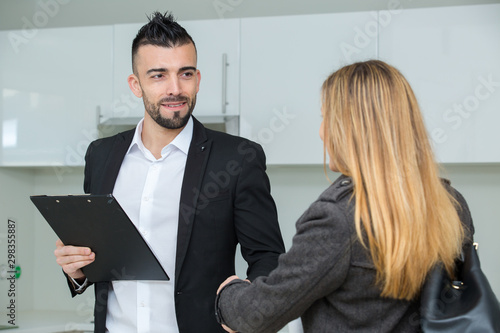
x=194 y=194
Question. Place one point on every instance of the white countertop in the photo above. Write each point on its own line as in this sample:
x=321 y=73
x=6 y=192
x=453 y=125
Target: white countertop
x=50 y=322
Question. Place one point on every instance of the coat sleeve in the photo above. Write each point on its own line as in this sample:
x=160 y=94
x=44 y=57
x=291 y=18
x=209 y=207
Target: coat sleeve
x=316 y=265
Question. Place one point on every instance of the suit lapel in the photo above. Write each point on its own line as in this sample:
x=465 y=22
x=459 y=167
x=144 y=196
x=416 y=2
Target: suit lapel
x=196 y=162
x=114 y=161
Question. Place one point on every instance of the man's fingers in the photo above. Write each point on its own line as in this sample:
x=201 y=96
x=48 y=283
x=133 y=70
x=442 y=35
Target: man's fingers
x=67 y=260
x=72 y=267
x=72 y=251
x=229 y=279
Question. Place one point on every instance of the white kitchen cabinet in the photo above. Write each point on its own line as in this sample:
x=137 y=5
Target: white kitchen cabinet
x=52 y=81
x=217 y=43
x=125 y=104
x=284 y=61
x=450 y=56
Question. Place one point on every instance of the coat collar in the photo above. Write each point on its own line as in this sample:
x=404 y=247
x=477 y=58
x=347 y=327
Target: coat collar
x=115 y=159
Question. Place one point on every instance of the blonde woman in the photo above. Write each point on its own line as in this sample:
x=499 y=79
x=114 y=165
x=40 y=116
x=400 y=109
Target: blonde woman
x=363 y=249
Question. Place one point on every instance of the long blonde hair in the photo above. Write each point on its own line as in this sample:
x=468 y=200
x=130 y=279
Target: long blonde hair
x=374 y=133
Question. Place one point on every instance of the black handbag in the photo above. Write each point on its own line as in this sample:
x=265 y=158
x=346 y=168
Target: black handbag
x=468 y=305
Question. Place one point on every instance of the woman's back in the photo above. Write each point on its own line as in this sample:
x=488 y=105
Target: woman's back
x=374 y=133
x=356 y=305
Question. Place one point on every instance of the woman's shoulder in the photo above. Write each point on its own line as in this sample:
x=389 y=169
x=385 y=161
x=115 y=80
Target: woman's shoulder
x=332 y=203
x=330 y=208
x=341 y=189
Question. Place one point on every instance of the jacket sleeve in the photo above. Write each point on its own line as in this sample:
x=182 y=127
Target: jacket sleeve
x=88 y=169
x=73 y=288
x=255 y=215
x=316 y=265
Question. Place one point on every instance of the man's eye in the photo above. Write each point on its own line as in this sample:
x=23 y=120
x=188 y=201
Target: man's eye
x=187 y=74
x=157 y=76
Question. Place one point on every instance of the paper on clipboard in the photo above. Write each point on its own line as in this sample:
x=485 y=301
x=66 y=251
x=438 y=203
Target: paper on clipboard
x=99 y=222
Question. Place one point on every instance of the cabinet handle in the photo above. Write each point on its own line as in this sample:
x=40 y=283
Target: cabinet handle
x=98 y=115
x=224 y=82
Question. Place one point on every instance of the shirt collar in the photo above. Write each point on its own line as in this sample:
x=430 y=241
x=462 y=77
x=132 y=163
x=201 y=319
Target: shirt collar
x=182 y=141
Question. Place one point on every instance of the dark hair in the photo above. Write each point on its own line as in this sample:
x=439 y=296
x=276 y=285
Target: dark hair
x=161 y=30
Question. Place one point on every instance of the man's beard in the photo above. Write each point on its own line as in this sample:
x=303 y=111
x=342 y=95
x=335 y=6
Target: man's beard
x=170 y=123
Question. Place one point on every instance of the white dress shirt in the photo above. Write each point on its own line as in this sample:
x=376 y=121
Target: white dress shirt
x=149 y=189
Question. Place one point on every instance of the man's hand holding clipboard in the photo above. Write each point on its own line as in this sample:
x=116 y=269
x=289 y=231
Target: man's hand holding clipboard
x=72 y=259
x=98 y=241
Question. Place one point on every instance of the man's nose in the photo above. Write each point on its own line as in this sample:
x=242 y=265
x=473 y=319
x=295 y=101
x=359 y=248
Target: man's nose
x=174 y=86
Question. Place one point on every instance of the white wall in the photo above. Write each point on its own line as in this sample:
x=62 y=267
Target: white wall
x=49 y=282
x=16 y=185
x=41 y=285
x=480 y=185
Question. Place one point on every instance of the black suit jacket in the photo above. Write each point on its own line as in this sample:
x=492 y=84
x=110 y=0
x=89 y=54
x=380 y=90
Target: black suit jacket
x=225 y=200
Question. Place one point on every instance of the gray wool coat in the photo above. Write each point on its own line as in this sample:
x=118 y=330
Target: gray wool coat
x=327 y=278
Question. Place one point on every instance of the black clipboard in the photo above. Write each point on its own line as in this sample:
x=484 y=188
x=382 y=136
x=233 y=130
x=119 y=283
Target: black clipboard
x=99 y=222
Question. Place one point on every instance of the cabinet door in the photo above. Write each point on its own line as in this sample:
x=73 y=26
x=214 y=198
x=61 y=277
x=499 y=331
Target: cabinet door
x=124 y=103
x=217 y=43
x=52 y=81
x=219 y=88
x=284 y=61
x=451 y=56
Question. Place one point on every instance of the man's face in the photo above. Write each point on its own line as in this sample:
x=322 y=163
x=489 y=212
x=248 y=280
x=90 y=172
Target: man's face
x=168 y=81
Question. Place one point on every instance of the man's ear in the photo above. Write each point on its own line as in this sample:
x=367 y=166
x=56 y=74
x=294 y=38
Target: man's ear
x=135 y=86
x=198 y=74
